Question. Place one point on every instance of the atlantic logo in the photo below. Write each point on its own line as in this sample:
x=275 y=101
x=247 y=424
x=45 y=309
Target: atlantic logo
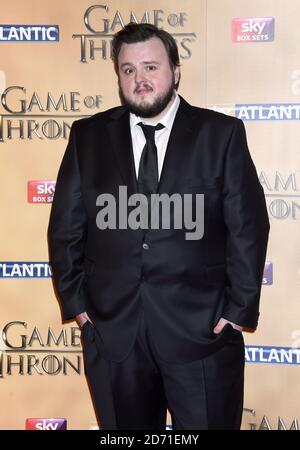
x=259 y=111
x=268 y=111
x=46 y=424
x=40 y=191
x=29 y=33
x=272 y=355
x=253 y=30
x=10 y=269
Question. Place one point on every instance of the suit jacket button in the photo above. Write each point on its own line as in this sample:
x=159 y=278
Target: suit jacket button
x=145 y=246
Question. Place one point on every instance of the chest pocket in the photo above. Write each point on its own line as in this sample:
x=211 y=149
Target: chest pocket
x=199 y=185
x=204 y=183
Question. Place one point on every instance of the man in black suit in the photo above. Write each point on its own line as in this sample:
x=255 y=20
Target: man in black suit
x=161 y=314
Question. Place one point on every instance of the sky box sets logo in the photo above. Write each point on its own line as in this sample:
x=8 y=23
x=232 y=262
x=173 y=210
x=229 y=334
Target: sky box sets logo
x=46 y=424
x=253 y=30
x=40 y=191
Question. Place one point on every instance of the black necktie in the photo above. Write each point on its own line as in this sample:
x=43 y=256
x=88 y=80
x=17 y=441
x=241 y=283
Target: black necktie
x=148 y=168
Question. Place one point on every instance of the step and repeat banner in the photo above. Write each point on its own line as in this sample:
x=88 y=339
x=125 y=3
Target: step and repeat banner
x=238 y=57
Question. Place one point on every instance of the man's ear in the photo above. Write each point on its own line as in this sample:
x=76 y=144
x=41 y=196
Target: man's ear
x=177 y=75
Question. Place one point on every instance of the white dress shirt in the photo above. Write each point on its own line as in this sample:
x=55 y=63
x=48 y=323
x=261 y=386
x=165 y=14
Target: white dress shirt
x=161 y=136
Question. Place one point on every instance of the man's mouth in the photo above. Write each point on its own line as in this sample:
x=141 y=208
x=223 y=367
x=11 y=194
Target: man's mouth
x=143 y=90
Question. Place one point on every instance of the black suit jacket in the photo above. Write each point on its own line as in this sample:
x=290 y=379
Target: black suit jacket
x=184 y=286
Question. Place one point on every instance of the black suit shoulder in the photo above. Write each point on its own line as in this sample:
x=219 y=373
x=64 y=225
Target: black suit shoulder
x=214 y=119
x=211 y=116
x=99 y=119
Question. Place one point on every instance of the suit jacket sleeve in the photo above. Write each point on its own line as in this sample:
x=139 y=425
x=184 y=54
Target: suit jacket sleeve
x=247 y=226
x=66 y=234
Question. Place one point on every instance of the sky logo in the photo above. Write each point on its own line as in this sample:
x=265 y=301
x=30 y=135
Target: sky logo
x=46 y=424
x=253 y=30
x=29 y=33
x=39 y=191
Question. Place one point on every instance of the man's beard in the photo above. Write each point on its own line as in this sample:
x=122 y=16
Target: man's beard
x=152 y=110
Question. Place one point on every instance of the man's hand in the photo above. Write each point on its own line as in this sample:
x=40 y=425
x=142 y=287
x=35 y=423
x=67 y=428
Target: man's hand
x=221 y=324
x=82 y=318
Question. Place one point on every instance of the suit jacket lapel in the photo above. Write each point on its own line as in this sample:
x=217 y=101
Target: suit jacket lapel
x=179 y=148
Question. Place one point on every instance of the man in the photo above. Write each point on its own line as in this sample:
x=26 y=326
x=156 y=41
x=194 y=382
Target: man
x=161 y=315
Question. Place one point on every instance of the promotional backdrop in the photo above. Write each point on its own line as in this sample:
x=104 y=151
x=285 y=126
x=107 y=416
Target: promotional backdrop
x=237 y=57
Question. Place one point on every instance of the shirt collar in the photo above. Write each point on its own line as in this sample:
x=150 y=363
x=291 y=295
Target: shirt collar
x=167 y=120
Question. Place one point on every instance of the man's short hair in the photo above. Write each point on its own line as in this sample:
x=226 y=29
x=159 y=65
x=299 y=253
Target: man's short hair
x=134 y=32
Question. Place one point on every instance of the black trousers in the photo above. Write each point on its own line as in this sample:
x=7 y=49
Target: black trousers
x=136 y=392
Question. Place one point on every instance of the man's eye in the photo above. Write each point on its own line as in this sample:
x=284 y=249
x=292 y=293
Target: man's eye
x=128 y=71
x=151 y=68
